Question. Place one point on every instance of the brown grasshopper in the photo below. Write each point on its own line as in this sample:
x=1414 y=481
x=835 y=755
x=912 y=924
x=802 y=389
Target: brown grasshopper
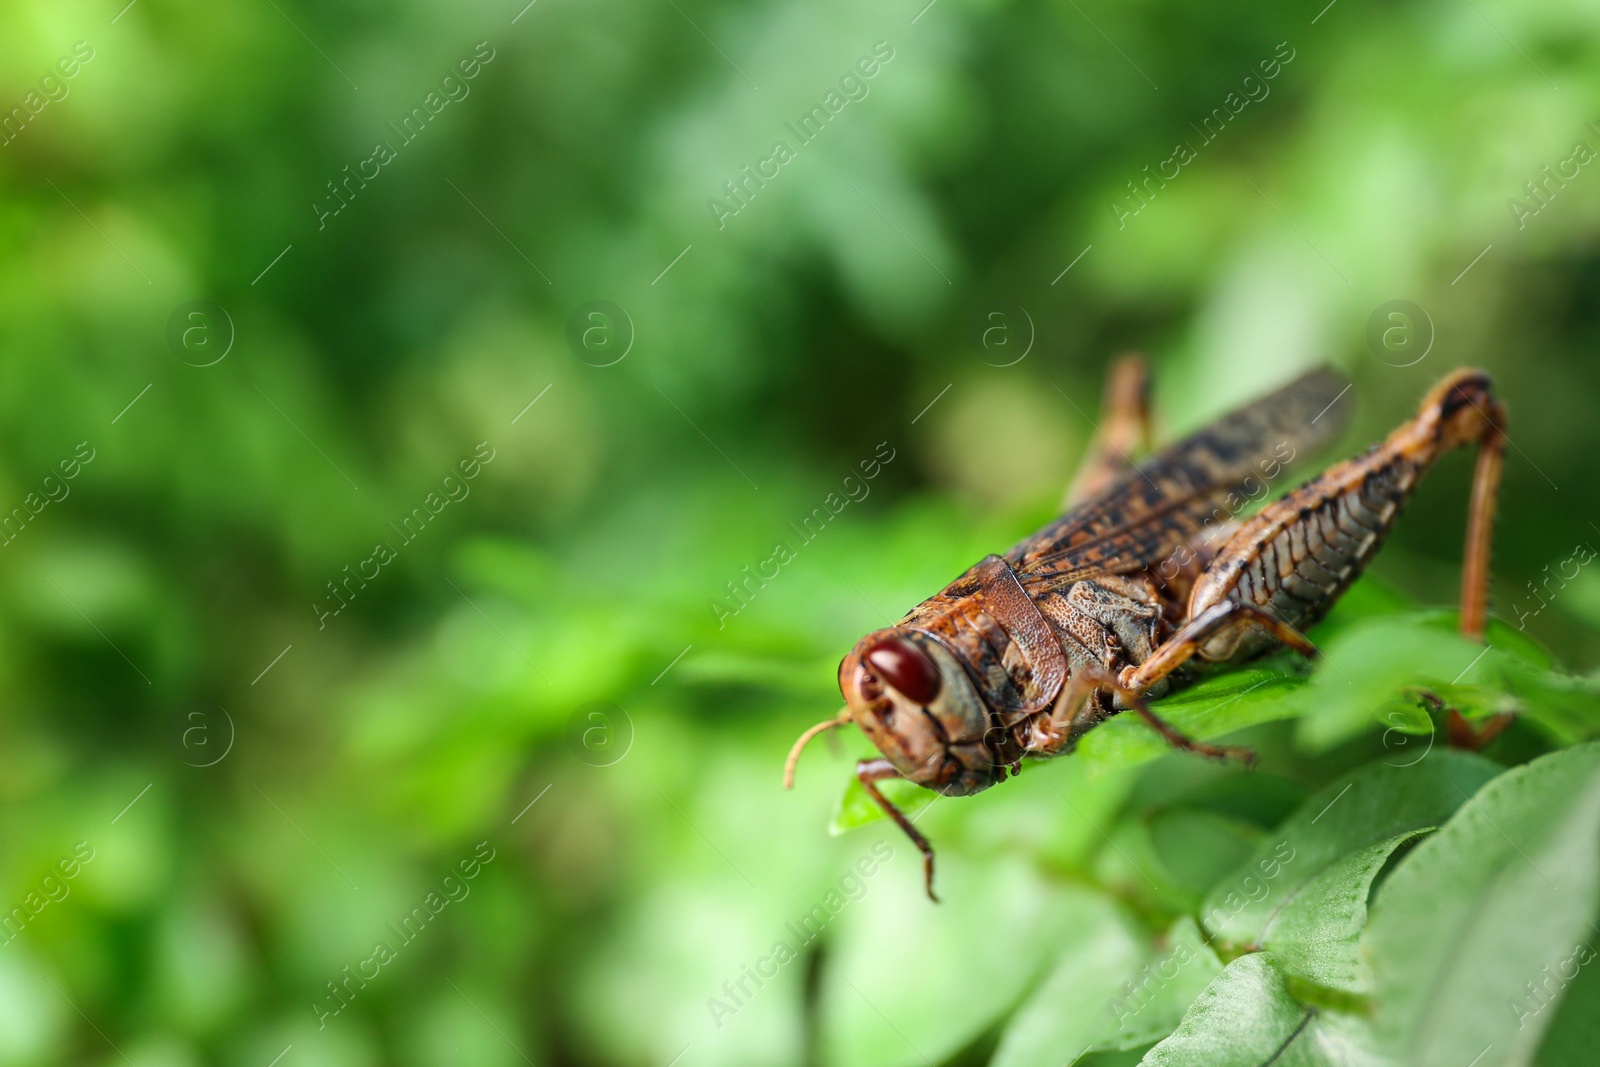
x=1144 y=572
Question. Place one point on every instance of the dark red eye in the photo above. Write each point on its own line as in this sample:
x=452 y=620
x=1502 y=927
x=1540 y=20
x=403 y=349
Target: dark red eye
x=907 y=668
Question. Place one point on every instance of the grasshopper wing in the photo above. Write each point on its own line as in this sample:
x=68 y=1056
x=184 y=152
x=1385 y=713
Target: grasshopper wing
x=1169 y=499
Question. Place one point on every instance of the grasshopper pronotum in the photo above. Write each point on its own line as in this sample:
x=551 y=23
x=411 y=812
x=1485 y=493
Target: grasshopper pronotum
x=1025 y=652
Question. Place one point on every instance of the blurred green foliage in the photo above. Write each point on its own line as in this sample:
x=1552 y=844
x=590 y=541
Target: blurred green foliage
x=163 y=611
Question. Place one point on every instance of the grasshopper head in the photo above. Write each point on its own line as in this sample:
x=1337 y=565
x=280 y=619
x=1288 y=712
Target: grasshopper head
x=914 y=701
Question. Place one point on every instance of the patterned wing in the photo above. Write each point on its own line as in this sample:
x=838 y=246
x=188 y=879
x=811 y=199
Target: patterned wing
x=1164 y=502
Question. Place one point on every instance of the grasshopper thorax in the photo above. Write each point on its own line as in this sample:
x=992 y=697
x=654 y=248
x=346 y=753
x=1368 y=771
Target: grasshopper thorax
x=913 y=700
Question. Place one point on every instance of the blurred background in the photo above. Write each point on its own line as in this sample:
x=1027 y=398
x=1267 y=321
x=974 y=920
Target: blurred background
x=396 y=396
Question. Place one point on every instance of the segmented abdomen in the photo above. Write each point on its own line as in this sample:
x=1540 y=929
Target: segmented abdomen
x=1300 y=553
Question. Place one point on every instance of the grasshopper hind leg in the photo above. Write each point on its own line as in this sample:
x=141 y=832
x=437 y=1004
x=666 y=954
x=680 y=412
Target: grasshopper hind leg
x=1124 y=428
x=1287 y=566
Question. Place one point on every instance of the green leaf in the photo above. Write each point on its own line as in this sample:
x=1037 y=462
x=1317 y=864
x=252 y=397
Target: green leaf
x=1247 y=1017
x=1574 y=1034
x=1372 y=653
x=1566 y=709
x=1479 y=910
x=909 y=982
x=1316 y=934
x=1149 y=1005
x=1166 y=860
x=1194 y=848
x=1375 y=805
x=1070 y=1014
x=1370 y=663
x=1257 y=797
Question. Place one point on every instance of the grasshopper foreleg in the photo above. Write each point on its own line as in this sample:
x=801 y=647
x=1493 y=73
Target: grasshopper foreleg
x=871 y=771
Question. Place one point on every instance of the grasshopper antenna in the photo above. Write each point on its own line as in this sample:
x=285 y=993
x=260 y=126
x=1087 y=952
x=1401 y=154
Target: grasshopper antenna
x=805 y=738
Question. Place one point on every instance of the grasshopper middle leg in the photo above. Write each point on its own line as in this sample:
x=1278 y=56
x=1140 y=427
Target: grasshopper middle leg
x=1075 y=712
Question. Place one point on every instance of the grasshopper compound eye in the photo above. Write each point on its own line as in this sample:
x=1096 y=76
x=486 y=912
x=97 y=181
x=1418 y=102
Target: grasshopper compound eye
x=907 y=668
